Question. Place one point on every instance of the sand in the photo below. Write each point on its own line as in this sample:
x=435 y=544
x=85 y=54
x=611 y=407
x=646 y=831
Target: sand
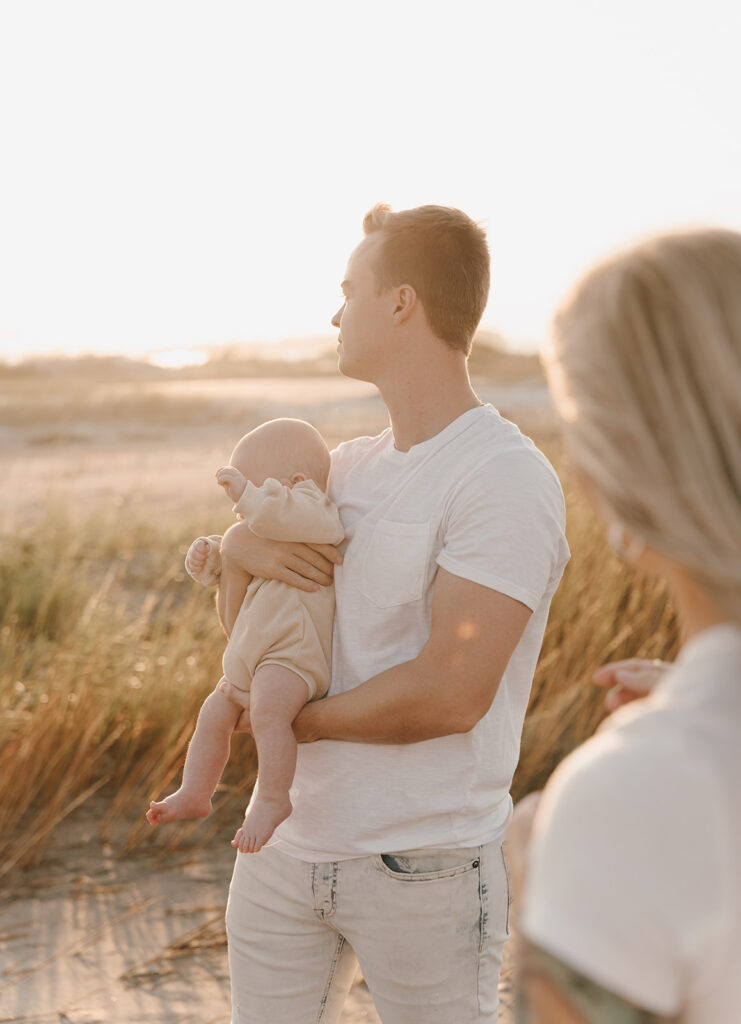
x=90 y=937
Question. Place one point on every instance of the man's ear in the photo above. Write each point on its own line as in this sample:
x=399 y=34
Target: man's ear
x=406 y=300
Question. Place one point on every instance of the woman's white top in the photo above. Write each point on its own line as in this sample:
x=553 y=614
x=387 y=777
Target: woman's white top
x=634 y=872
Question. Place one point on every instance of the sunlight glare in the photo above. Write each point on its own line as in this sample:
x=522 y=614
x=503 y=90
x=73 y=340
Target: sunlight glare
x=177 y=358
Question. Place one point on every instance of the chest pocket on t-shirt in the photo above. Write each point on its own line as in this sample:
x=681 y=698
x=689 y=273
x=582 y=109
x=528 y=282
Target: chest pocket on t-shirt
x=395 y=564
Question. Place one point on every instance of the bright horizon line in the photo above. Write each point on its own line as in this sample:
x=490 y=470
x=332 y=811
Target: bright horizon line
x=308 y=345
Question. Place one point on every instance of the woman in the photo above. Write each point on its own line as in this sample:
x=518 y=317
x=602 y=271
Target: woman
x=632 y=895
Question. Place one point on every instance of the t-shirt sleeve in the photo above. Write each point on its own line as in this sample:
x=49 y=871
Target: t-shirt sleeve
x=504 y=528
x=617 y=876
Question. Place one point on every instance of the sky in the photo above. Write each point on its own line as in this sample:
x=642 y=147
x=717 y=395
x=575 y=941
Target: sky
x=181 y=174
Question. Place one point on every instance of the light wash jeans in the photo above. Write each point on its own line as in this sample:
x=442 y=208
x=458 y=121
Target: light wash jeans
x=427 y=926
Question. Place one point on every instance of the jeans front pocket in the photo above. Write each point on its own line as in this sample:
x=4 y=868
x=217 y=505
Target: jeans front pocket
x=411 y=866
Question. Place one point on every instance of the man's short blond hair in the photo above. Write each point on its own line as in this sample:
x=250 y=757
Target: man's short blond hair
x=444 y=256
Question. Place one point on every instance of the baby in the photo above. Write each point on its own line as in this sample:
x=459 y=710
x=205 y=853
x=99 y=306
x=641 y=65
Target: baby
x=280 y=648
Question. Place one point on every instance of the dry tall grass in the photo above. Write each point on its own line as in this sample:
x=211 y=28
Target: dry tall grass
x=108 y=650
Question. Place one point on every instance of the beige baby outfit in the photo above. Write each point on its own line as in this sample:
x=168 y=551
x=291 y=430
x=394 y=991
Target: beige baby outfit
x=279 y=624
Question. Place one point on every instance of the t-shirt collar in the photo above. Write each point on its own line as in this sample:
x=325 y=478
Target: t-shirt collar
x=457 y=426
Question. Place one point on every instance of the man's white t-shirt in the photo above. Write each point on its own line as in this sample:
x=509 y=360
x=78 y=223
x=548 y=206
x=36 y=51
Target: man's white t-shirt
x=634 y=869
x=482 y=502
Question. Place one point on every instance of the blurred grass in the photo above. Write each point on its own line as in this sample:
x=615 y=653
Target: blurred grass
x=107 y=651
x=602 y=611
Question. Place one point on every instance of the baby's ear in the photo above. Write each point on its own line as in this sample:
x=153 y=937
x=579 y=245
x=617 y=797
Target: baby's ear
x=297 y=478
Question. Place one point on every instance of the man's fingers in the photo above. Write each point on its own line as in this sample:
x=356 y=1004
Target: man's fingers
x=327 y=551
x=314 y=558
x=294 y=579
x=301 y=568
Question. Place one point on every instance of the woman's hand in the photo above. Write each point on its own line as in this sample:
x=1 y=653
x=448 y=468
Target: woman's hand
x=304 y=566
x=629 y=679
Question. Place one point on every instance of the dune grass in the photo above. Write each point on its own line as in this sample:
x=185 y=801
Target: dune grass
x=107 y=650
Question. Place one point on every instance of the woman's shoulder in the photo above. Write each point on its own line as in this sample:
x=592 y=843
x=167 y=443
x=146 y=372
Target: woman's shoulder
x=642 y=752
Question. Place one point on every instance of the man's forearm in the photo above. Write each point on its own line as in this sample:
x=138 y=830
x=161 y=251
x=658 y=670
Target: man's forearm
x=446 y=689
x=408 y=703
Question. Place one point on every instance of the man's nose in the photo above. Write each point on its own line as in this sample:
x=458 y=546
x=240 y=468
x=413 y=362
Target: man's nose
x=335 y=321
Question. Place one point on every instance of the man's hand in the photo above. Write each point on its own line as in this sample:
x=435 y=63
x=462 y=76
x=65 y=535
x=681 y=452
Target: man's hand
x=304 y=566
x=232 y=481
x=629 y=679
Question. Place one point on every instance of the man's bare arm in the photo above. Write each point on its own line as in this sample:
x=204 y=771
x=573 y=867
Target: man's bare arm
x=446 y=689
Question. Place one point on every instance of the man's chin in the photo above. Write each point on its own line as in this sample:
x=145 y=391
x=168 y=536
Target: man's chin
x=352 y=372
x=344 y=365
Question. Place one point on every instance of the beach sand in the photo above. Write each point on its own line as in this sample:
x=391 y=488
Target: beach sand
x=91 y=937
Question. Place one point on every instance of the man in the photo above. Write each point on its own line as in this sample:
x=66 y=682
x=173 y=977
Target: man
x=455 y=544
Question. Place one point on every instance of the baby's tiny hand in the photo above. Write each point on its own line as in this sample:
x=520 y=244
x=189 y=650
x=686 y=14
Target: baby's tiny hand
x=232 y=481
x=203 y=561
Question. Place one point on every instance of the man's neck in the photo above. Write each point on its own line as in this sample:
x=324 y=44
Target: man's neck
x=421 y=404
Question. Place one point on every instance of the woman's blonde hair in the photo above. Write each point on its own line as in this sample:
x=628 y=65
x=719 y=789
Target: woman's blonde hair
x=645 y=366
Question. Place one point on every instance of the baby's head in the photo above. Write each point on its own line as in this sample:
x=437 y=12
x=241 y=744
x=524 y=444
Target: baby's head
x=288 y=450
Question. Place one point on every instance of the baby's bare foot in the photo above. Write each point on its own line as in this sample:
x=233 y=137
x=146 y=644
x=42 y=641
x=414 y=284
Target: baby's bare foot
x=261 y=820
x=179 y=806
x=203 y=561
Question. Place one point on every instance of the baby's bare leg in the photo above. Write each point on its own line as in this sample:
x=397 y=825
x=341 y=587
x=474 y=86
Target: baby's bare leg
x=206 y=759
x=276 y=697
